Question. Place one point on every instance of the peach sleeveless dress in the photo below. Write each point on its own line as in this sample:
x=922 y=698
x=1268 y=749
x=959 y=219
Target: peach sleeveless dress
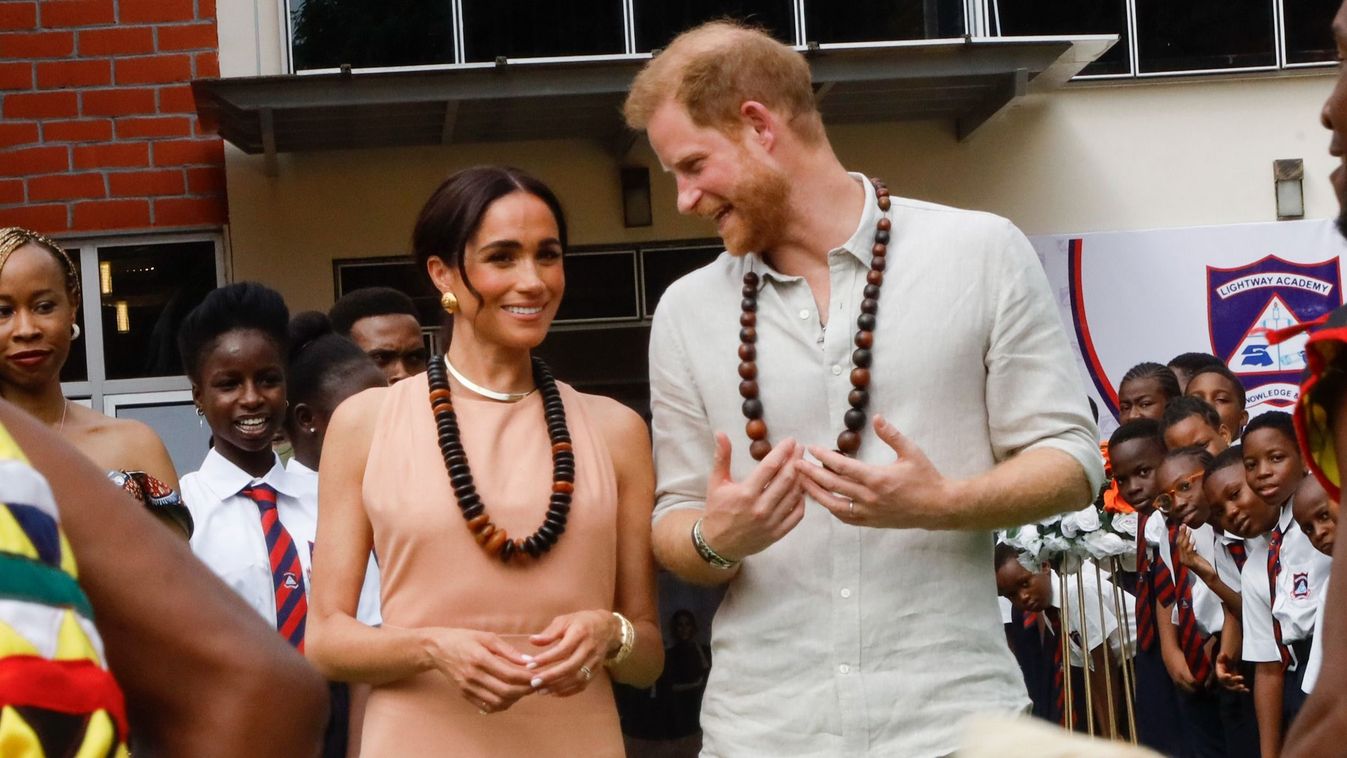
x=435 y=574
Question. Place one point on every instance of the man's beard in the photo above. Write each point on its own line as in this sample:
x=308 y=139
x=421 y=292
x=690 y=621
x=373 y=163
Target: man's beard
x=760 y=210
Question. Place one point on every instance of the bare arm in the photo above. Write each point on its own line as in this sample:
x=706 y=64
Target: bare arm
x=1267 y=704
x=1170 y=651
x=202 y=673
x=151 y=455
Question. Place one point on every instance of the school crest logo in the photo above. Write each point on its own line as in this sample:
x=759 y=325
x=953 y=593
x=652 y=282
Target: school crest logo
x=1268 y=294
x=1300 y=585
x=289 y=580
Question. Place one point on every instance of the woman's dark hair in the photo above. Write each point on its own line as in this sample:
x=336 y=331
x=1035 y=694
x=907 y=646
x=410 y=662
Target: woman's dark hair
x=454 y=212
x=1279 y=420
x=1220 y=369
x=319 y=358
x=244 y=305
x=1169 y=383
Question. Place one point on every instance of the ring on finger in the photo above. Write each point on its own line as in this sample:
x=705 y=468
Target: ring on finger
x=851 y=508
x=586 y=673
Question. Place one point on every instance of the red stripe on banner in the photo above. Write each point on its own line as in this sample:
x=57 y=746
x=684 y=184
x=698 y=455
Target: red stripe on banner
x=73 y=687
x=1101 y=381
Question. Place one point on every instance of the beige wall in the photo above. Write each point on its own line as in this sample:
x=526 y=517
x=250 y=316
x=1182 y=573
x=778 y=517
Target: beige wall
x=1094 y=158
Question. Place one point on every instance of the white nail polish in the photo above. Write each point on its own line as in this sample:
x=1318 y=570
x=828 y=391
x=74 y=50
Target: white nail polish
x=527 y=657
x=531 y=665
x=537 y=682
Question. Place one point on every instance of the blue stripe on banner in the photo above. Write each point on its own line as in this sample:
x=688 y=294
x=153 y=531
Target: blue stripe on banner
x=41 y=530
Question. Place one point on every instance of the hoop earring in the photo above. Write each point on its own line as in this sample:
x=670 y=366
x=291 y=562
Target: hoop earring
x=74 y=331
x=449 y=302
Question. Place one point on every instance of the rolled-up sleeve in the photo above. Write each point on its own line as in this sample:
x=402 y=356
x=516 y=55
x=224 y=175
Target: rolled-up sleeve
x=684 y=444
x=1034 y=393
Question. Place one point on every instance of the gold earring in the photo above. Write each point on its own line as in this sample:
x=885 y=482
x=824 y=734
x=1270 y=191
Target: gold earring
x=449 y=302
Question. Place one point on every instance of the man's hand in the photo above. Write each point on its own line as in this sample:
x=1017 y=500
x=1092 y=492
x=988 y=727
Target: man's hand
x=744 y=518
x=907 y=493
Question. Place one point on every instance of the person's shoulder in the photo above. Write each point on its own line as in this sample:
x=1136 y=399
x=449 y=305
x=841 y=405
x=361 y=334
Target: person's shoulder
x=362 y=407
x=949 y=224
x=618 y=422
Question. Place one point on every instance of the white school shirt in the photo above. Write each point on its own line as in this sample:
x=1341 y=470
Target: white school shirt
x=1226 y=569
x=1096 y=588
x=1299 y=584
x=1316 y=660
x=1207 y=606
x=228 y=536
x=843 y=640
x=305 y=481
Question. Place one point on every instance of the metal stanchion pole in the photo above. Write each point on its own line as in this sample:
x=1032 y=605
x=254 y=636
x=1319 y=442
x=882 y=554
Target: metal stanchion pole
x=1085 y=652
x=1129 y=653
x=1108 y=674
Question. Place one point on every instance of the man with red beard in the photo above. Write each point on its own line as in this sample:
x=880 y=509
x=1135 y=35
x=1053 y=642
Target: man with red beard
x=859 y=618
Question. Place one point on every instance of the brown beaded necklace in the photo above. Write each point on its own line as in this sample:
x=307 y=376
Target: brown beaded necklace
x=849 y=441
x=493 y=539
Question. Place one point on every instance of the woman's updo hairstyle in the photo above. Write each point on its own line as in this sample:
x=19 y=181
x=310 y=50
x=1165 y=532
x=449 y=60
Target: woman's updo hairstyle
x=244 y=305
x=452 y=215
x=319 y=358
x=12 y=238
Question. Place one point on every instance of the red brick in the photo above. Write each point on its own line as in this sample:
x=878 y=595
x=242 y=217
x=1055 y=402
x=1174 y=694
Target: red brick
x=156 y=69
x=66 y=187
x=37 y=44
x=15 y=133
x=112 y=214
x=185 y=151
x=190 y=211
x=45 y=218
x=41 y=105
x=207 y=65
x=76 y=73
x=11 y=191
x=16 y=76
x=113 y=155
x=205 y=9
x=131 y=40
x=59 y=13
x=96 y=130
x=151 y=11
x=146 y=183
x=117 y=102
x=188 y=37
x=18 y=15
x=48 y=159
x=154 y=126
x=177 y=99
x=206 y=181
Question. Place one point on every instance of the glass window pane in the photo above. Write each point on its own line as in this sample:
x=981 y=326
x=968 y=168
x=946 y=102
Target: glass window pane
x=662 y=267
x=402 y=274
x=153 y=286
x=367 y=33
x=877 y=20
x=599 y=286
x=1199 y=35
x=1309 y=39
x=1026 y=18
x=530 y=29
x=659 y=21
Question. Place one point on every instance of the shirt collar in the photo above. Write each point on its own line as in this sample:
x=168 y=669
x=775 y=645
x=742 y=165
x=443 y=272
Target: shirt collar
x=860 y=245
x=295 y=468
x=225 y=480
x=1287 y=516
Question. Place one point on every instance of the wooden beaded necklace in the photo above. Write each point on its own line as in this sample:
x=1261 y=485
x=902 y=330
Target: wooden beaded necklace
x=494 y=540
x=849 y=441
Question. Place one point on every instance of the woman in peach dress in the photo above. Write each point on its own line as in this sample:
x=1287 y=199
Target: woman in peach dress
x=510 y=514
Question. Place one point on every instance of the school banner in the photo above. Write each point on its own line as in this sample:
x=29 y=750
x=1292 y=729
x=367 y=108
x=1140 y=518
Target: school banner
x=1128 y=297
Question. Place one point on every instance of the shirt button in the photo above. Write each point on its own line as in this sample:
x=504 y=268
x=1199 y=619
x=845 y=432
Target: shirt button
x=804 y=314
x=837 y=370
x=844 y=669
x=845 y=593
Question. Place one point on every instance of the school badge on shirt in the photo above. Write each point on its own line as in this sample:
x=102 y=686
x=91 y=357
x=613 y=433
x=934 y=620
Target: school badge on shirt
x=1300 y=585
x=1268 y=294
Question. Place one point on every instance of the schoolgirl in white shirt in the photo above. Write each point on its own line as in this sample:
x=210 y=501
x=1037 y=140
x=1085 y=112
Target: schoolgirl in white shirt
x=1317 y=515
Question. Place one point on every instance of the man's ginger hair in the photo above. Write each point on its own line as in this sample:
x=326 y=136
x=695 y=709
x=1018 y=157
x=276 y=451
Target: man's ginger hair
x=712 y=69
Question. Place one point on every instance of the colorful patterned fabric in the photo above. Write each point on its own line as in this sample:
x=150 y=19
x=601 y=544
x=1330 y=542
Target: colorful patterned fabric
x=57 y=697
x=157 y=497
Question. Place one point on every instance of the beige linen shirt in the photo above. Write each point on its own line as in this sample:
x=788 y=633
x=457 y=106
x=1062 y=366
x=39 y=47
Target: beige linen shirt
x=839 y=640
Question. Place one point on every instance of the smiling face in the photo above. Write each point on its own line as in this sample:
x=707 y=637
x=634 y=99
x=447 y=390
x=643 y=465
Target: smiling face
x=1027 y=591
x=1218 y=392
x=728 y=181
x=1243 y=513
x=1334 y=118
x=1317 y=514
x=1272 y=464
x=240 y=389
x=1181 y=498
x=514 y=263
x=1141 y=398
x=36 y=317
x=1134 y=466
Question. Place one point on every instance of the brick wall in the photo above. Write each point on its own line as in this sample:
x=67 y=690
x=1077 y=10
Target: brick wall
x=98 y=129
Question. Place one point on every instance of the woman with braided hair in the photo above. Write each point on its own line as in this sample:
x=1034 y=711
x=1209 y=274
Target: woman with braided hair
x=39 y=297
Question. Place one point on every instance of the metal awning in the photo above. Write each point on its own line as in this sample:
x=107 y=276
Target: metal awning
x=965 y=81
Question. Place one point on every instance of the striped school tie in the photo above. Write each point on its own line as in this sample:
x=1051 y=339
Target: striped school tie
x=1239 y=553
x=1274 y=568
x=1146 y=631
x=1191 y=640
x=287 y=575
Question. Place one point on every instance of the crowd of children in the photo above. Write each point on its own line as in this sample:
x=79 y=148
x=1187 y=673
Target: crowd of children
x=1220 y=608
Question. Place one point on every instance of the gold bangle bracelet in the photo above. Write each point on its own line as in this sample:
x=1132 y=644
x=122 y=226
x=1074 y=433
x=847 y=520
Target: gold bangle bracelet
x=628 y=641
